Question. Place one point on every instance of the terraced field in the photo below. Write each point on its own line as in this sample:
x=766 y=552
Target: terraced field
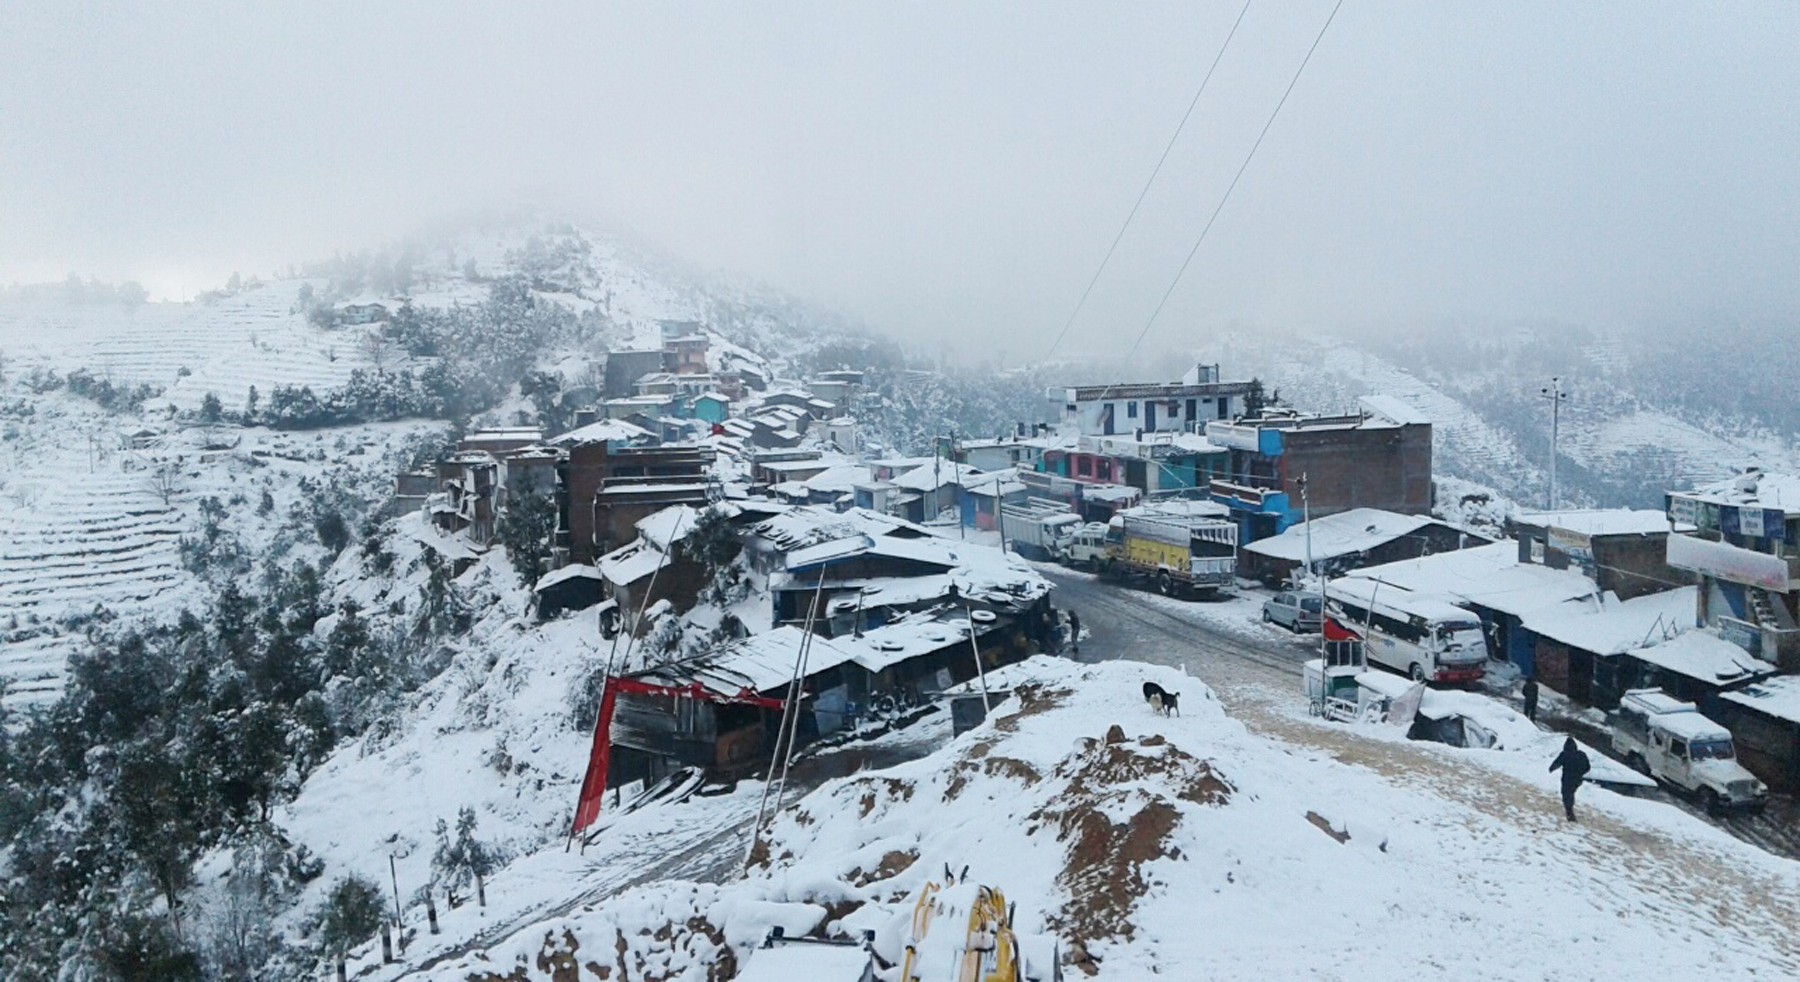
x=103 y=543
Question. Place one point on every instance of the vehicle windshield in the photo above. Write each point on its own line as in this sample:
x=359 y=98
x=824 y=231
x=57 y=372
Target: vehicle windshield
x=1457 y=637
x=1712 y=750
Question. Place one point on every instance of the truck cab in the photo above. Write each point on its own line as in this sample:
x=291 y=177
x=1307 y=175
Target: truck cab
x=1671 y=741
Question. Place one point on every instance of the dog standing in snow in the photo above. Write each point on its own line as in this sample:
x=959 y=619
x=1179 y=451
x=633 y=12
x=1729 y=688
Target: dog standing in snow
x=1161 y=699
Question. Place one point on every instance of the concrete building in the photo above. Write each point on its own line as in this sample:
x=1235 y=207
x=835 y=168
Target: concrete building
x=1745 y=548
x=1153 y=407
x=1360 y=460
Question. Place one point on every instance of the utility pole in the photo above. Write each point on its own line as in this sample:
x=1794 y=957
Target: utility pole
x=1306 y=516
x=1554 y=392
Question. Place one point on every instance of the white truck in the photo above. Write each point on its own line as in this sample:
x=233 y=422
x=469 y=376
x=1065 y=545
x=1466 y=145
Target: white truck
x=1038 y=528
x=1672 y=742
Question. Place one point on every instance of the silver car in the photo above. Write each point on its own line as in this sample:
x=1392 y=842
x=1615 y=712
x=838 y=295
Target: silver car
x=1295 y=611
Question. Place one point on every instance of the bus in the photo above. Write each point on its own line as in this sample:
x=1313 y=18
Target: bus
x=1421 y=637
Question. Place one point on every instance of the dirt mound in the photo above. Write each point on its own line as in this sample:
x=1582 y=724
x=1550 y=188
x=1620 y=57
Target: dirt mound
x=1104 y=870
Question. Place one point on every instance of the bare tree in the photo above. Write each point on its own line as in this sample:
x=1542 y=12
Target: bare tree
x=165 y=481
x=376 y=350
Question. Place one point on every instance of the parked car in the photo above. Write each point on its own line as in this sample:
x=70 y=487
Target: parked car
x=1671 y=741
x=1295 y=611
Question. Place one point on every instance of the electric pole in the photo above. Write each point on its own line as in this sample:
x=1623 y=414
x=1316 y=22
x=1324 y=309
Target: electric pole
x=1554 y=392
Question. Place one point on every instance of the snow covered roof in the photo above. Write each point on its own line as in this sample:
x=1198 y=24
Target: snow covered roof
x=935 y=474
x=838 y=477
x=1347 y=533
x=1110 y=492
x=1778 y=697
x=630 y=563
x=786 y=962
x=800 y=527
x=1616 y=626
x=760 y=663
x=1777 y=491
x=1179 y=508
x=1394 y=410
x=664 y=528
x=1704 y=656
x=573 y=571
x=604 y=431
x=1600 y=521
x=1487 y=576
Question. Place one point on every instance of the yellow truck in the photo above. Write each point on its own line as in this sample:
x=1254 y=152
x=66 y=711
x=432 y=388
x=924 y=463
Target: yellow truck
x=1178 y=553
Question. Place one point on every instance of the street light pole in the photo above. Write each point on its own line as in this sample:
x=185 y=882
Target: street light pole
x=1554 y=392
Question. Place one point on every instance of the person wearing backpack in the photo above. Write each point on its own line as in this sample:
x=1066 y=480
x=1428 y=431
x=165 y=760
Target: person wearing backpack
x=1574 y=765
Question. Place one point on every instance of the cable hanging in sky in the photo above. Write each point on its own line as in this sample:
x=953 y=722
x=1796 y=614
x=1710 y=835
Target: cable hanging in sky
x=1195 y=101
x=1234 y=181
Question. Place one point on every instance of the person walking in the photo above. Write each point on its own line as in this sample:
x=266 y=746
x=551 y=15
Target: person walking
x=1531 y=698
x=1574 y=765
x=1074 y=632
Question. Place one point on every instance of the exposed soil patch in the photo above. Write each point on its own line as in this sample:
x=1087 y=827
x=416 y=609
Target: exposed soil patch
x=1034 y=698
x=1104 y=871
x=892 y=864
x=883 y=788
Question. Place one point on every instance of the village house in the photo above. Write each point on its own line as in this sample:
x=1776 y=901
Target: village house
x=1623 y=550
x=1351 y=540
x=1744 y=545
x=652 y=569
x=624 y=368
x=839 y=386
x=362 y=313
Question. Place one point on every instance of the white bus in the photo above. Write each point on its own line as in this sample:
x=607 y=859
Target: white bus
x=1424 y=638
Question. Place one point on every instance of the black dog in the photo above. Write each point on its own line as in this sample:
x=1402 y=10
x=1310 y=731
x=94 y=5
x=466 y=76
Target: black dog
x=1161 y=699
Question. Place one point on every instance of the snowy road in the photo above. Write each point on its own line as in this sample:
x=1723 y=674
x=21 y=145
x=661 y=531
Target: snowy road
x=1255 y=671
x=1244 y=660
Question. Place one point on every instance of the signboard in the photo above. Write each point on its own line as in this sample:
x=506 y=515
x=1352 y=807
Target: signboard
x=1684 y=511
x=1750 y=522
x=1745 y=636
x=1577 y=545
x=1728 y=562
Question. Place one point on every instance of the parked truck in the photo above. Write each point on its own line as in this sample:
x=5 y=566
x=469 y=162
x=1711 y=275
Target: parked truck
x=1179 y=554
x=1672 y=742
x=1039 y=528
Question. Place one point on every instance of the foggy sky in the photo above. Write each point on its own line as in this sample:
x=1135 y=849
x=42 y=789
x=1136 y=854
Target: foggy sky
x=944 y=171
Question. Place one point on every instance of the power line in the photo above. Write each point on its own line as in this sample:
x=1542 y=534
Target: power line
x=1234 y=181
x=1146 y=189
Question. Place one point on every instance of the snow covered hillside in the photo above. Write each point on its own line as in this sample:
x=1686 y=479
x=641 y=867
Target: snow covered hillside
x=108 y=452
x=1624 y=438
x=1186 y=846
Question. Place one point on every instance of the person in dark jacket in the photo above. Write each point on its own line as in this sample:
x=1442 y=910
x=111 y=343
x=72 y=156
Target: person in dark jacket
x=1574 y=765
x=1531 y=698
x=1075 y=632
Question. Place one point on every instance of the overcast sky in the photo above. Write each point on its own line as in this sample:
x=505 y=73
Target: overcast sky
x=944 y=171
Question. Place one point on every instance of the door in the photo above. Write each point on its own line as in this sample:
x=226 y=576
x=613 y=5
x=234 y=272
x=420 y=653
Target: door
x=1149 y=417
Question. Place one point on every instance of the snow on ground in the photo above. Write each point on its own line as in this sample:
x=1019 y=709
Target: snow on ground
x=1188 y=848
x=91 y=530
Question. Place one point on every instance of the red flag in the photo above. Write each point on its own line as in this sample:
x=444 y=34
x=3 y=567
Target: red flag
x=593 y=786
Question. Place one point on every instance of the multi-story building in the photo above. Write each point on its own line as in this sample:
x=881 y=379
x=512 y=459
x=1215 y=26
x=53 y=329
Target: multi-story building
x=1379 y=458
x=1744 y=544
x=1154 y=407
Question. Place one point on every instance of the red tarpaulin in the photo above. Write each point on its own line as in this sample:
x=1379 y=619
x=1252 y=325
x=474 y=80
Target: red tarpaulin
x=1338 y=632
x=593 y=785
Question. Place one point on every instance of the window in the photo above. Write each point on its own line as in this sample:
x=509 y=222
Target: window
x=1678 y=747
x=1131 y=409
